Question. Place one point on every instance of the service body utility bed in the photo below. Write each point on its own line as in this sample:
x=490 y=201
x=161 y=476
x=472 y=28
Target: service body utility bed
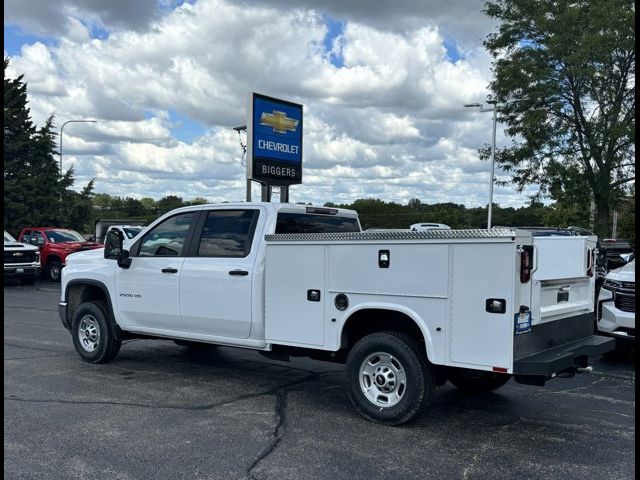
x=442 y=280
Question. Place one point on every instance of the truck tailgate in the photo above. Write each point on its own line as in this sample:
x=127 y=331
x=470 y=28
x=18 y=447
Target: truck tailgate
x=563 y=283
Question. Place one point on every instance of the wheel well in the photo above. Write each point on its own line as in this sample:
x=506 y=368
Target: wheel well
x=51 y=258
x=368 y=321
x=78 y=294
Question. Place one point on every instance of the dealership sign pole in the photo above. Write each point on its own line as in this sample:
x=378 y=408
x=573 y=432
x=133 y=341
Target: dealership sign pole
x=274 y=144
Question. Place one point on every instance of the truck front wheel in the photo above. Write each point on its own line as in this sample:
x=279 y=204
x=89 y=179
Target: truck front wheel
x=52 y=271
x=92 y=334
x=390 y=379
x=477 y=381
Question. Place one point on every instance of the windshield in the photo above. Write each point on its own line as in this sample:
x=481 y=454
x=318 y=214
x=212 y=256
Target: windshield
x=8 y=238
x=64 y=236
x=132 y=231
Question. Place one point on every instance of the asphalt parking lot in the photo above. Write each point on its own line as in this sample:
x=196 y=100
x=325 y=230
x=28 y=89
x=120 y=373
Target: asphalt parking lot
x=164 y=411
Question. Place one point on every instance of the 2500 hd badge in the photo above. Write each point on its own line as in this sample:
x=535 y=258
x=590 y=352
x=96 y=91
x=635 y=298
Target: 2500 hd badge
x=133 y=295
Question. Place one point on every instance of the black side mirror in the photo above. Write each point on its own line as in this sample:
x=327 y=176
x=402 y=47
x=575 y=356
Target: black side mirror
x=113 y=249
x=33 y=241
x=40 y=241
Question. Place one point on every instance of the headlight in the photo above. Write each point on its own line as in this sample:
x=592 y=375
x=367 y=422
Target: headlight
x=608 y=283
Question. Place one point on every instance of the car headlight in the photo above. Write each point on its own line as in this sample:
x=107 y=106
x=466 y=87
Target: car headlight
x=608 y=283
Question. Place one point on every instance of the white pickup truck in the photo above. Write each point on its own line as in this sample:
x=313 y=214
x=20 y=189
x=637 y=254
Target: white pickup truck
x=405 y=311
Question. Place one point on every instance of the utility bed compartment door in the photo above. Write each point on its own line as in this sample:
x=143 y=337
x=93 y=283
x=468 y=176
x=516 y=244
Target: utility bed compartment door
x=480 y=272
x=291 y=318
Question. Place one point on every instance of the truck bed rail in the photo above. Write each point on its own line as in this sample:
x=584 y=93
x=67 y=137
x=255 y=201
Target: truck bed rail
x=380 y=236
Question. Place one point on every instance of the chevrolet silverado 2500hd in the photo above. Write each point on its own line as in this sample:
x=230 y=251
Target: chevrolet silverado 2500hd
x=55 y=244
x=405 y=311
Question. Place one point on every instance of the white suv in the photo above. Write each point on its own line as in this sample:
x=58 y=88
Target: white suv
x=617 y=303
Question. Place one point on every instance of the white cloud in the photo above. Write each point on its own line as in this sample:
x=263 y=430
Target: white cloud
x=388 y=122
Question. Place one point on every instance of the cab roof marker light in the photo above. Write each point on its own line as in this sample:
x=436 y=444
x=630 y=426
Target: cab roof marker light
x=322 y=211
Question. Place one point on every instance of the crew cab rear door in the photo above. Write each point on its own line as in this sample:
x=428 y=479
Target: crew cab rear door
x=218 y=275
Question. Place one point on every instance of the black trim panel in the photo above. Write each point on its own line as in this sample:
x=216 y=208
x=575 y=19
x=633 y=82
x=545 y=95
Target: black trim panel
x=552 y=334
x=564 y=357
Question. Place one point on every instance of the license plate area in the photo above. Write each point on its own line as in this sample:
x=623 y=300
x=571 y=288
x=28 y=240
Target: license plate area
x=562 y=296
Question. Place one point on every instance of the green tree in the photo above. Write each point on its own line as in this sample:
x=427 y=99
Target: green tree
x=35 y=193
x=168 y=203
x=572 y=65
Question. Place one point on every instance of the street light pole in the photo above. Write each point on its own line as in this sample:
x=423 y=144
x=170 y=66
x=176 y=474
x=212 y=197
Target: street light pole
x=60 y=146
x=493 y=164
x=493 y=109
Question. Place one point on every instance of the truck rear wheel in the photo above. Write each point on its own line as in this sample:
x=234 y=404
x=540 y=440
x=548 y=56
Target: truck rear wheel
x=390 y=379
x=92 y=334
x=477 y=381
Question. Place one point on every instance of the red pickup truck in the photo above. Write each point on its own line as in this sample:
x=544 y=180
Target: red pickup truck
x=55 y=244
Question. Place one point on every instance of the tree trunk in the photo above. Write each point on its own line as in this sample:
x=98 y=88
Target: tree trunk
x=602 y=217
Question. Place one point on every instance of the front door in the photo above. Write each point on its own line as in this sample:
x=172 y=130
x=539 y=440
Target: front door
x=218 y=275
x=148 y=293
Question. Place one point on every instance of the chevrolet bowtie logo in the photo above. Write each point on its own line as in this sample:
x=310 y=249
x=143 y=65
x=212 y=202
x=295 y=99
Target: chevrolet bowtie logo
x=17 y=254
x=278 y=121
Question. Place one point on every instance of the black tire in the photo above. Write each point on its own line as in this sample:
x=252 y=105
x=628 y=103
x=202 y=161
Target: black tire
x=94 y=317
x=419 y=377
x=27 y=280
x=477 y=381
x=52 y=271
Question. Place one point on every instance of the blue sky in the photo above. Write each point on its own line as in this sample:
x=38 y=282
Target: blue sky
x=167 y=77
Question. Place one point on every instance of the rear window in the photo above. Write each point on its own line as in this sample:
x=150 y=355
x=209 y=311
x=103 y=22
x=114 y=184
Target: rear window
x=309 y=223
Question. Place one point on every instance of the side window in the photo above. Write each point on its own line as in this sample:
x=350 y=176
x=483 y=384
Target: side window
x=168 y=238
x=26 y=235
x=39 y=237
x=227 y=233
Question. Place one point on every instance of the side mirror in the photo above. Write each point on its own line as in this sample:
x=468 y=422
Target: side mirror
x=33 y=241
x=40 y=241
x=113 y=249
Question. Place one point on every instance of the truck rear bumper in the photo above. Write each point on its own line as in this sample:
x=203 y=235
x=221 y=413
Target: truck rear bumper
x=565 y=357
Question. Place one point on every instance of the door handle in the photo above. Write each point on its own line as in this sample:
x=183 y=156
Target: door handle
x=169 y=270
x=241 y=273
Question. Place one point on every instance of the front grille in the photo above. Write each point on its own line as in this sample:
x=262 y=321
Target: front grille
x=13 y=256
x=629 y=285
x=626 y=303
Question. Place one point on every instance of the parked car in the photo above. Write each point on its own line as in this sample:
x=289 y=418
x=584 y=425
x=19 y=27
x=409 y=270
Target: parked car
x=424 y=227
x=128 y=231
x=21 y=260
x=617 y=303
x=405 y=311
x=102 y=226
x=55 y=245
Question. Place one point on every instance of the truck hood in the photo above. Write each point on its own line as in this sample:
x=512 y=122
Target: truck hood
x=625 y=273
x=76 y=245
x=23 y=247
x=86 y=256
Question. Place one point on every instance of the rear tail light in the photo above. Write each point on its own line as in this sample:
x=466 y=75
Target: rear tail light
x=589 y=262
x=526 y=263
